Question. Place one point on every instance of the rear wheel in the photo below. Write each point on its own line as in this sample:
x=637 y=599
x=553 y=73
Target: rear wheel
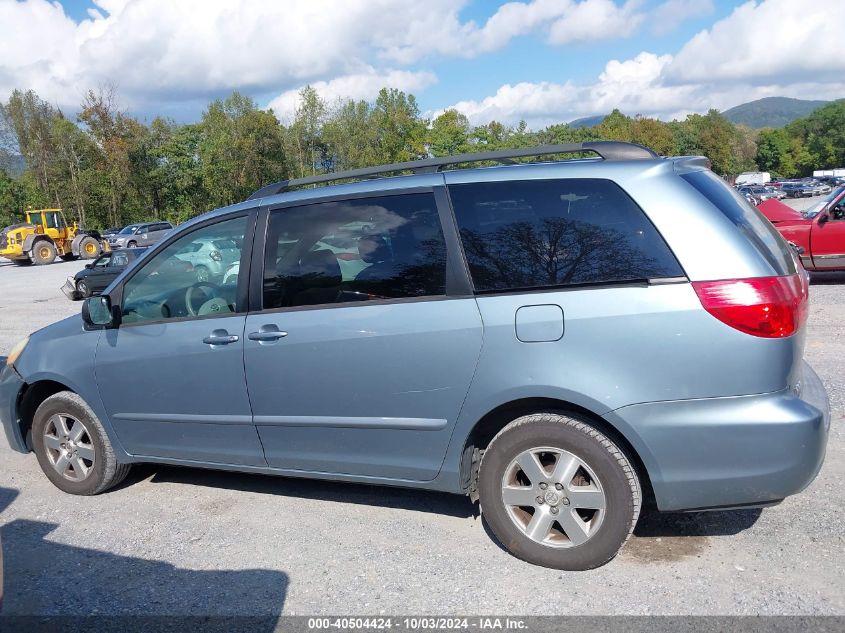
x=72 y=447
x=558 y=493
x=43 y=252
x=89 y=248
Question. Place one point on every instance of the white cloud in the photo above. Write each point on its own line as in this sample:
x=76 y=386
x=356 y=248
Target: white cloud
x=669 y=15
x=187 y=49
x=764 y=48
x=586 y=20
x=635 y=86
x=363 y=85
x=767 y=42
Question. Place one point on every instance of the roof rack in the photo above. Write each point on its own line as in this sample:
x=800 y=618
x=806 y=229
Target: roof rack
x=608 y=150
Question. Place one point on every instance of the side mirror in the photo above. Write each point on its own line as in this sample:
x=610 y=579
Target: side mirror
x=99 y=314
x=89 y=265
x=823 y=217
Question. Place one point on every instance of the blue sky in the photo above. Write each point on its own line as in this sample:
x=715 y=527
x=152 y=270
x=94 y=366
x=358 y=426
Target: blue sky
x=539 y=60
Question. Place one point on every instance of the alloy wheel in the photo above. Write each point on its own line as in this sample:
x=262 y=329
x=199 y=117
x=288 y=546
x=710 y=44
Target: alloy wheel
x=69 y=447
x=553 y=497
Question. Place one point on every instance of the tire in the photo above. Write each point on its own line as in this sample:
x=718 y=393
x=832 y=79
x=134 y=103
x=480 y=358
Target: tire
x=89 y=248
x=95 y=475
x=43 y=252
x=132 y=245
x=83 y=289
x=598 y=474
x=202 y=272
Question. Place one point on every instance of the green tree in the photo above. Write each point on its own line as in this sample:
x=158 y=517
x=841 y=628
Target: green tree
x=449 y=134
x=399 y=130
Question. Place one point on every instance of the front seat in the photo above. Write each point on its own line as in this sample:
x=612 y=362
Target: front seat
x=319 y=279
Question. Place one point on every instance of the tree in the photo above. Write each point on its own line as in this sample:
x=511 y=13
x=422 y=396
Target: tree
x=449 y=134
x=652 y=133
x=305 y=134
x=241 y=149
x=348 y=137
x=28 y=122
x=399 y=130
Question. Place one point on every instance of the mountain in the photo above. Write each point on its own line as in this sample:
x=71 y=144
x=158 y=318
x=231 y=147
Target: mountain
x=771 y=111
x=587 y=121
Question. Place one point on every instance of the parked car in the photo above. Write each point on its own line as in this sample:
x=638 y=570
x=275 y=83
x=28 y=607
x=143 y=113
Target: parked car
x=561 y=382
x=819 y=232
x=145 y=234
x=797 y=190
x=210 y=258
x=111 y=231
x=759 y=192
x=97 y=275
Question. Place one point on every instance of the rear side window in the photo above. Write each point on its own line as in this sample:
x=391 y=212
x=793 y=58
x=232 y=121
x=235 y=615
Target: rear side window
x=753 y=224
x=552 y=233
x=387 y=247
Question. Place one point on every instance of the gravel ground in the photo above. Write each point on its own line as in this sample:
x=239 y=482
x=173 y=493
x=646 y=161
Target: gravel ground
x=180 y=541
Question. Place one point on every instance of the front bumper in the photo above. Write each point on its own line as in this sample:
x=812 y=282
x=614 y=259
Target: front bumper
x=69 y=289
x=10 y=386
x=736 y=451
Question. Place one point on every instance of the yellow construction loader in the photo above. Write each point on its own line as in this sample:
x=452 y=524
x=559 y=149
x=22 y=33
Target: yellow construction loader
x=45 y=234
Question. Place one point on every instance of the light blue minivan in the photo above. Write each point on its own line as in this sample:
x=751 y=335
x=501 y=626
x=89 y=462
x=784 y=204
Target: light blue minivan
x=561 y=340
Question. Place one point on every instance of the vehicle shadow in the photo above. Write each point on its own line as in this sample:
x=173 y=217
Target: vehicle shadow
x=833 y=277
x=44 y=577
x=672 y=536
x=363 y=494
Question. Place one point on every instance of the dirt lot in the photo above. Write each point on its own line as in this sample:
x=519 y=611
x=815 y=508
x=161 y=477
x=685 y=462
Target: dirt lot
x=178 y=541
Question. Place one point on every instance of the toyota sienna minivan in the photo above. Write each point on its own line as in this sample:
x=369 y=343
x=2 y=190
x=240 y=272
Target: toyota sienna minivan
x=562 y=341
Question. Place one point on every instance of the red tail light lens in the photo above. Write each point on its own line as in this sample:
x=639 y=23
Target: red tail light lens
x=770 y=307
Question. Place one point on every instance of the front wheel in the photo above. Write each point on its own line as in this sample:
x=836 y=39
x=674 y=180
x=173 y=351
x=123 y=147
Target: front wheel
x=72 y=447
x=43 y=252
x=83 y=289
x=558 y=493
x=132 y=245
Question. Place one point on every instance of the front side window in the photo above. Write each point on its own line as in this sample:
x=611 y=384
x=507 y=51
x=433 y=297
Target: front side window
x=171 y=286
x=119 y=259
x=389 y=247
x=103 y=260
x=552 y=233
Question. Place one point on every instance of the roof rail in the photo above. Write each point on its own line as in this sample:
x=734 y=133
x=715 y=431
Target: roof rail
x=608 y=150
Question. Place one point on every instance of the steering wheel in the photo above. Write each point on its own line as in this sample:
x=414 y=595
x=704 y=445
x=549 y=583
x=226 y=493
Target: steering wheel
x=191 y=290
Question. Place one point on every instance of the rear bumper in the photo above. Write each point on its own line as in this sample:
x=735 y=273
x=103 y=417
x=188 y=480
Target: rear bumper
x=10 y=387
x=737 y=451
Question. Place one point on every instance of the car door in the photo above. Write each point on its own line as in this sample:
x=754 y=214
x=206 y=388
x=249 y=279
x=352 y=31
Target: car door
x=97 y=277
x=118 y=261
x=827 y=236
x=171 y=376
x=358 y=357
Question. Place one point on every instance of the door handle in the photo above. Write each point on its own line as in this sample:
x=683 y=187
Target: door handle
x=267 y=334
x=220 y=337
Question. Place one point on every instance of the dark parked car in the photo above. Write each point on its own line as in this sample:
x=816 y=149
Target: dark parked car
x=112 y=231
x=97 y=275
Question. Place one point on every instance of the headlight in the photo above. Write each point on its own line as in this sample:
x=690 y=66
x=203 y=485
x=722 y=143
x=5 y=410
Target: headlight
x=16 y=351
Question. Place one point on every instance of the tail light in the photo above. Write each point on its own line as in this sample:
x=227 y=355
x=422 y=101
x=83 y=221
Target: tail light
x=215 y=255
x=769 y=307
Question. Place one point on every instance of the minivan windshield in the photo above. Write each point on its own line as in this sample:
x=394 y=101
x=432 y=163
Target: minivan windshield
x=129 y=230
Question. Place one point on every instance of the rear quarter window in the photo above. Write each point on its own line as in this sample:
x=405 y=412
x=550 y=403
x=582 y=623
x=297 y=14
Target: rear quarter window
x=748 y=219
x=552 y=233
